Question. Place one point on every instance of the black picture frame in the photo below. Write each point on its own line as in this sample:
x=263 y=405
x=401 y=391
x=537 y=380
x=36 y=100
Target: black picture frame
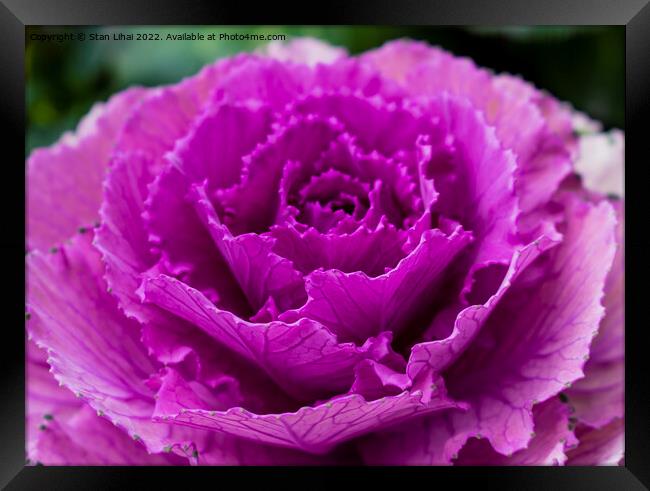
x=16 y=15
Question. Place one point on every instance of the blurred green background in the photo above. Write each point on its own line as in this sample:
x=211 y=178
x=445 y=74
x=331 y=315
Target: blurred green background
x=582 y=65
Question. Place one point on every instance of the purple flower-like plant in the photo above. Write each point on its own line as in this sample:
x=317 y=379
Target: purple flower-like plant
x=301 y=257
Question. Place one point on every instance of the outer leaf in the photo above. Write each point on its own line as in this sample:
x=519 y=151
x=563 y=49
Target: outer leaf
x=548 y=447
x=65 y=180
x=531 y=347
x=435 y=356
x=309 y=51
x=599 y=397
x=312 y=429
x=602 y=446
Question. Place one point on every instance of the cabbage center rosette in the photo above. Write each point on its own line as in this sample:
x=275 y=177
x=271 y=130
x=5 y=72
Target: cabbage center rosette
x=386 y=251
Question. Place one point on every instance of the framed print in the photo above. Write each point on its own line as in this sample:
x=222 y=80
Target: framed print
x=386 y=243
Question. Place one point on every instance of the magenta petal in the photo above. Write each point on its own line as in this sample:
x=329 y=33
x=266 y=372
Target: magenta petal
x=183 y=346
x=93 y=349
x=44 y=395
x=64 y=181
x=543 y=328
x=175 y=393
x=324 y=219
x=428 y=192
x=312 y=429
x=376 y=125
x=429 y=440
x=121 y=238
x=163 y=117
x=253 y=203
x=44 y=398
x=435 y=356
x=125 y=246
x=214 y=147
x=609 y=345
x=478 y=190
x=187 y=249
x=327 y=185
x=356 y=306
x=260 y=273
x=602 y=446
x=88 y=439
x=374 y=380
x=370 y=251
x=227 y=451
x=344 y=155
x=599 y=397
x=544 y=144
x=305 y=358
x=223 y=450
x=548 y=447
